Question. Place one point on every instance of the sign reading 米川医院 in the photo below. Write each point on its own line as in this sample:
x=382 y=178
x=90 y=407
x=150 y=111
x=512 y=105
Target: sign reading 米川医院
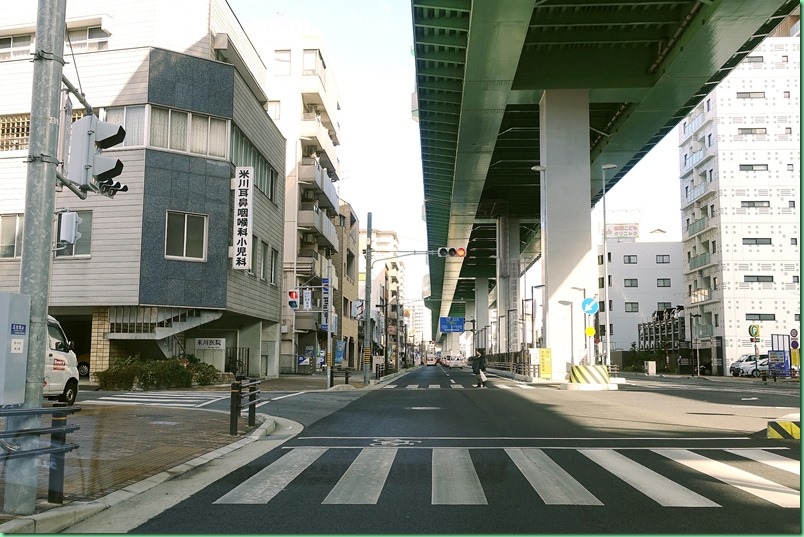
x=243 y=186
x=205 y=343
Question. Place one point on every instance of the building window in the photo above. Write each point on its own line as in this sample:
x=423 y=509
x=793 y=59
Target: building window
x=600 y=283
x=794 y=241
x=274 y=109
x=711 y=174
x=132 y=118
x=83 y=246
x=753 y=167
x=786 y=94
x=663 y=282
x=186 y=236
x=11 y=235
x=629 y=259
x=15 y=46
x=760 y=316
x=753 y=59
x=714 y=247
x=87 y=39
x=631 y=282
x=708 y=105
x=281 y=62
x=791 y=204
x=661 y=306
x=662 y=259
x=245 y=154
x=183 y=131
x=274 y=266
x=632 y=307
x=755 y=203
x=795 y=279
x=600 y=259
x=313 y=63
x=709 y=140
x=602 y=306
x=750 y=94
x=749 y=241
x=788 y=130
x=265 y=261
x=752 y=130
x=749 y=278
x=15 y=132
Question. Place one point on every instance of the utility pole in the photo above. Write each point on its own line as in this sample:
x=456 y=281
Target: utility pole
x=328 y=312
x=37 y=238
x=367 y=307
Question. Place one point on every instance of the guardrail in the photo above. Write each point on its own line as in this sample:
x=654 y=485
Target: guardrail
x=58 y=431
x=237 y=404
x=516 y=368
x=332 y=372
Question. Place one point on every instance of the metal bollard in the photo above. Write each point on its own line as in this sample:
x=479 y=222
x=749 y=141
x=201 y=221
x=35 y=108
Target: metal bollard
x=252 y=406
x=234 y=408
x=55 y=488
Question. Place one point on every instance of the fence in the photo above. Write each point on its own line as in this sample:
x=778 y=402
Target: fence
x=58 y=431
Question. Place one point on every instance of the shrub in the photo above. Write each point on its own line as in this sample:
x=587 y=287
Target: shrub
x=203 y=374
x=145 y=373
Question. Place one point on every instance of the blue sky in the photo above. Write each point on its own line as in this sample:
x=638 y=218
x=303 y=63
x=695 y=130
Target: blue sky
x=369 y=46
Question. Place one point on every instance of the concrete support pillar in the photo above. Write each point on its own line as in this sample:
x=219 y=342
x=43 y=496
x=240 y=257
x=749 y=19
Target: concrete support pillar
x=482 y=313
x=508 y=303
x=568 y=261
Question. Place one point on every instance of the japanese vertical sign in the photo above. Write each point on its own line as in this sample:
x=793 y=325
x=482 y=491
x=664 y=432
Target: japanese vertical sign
x=324 y=303
x=243 y=205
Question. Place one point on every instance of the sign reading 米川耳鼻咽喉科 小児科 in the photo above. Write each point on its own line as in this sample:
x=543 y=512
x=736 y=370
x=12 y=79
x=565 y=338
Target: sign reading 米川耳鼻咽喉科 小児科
x=450 y=324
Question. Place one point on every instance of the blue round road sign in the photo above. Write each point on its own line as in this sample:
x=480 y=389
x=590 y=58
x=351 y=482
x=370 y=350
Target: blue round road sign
x=590 y=306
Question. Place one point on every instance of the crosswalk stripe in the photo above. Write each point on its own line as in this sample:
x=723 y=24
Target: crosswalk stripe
x=456 y=386
x=748 y=482
x=551 y=482
x=506 y=387
x=434 y=386
x=389 y=386
x=412 y=386
x=271 y=480
x=657 y=487
x=363 y=481
x=455 y=481
x=771 y=459
x=525 y=387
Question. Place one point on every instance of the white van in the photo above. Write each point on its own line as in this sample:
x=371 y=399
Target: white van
x=61 y=365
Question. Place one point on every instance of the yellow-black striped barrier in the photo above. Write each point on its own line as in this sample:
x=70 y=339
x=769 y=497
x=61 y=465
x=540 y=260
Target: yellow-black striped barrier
x=784 y=430
x=589 y=374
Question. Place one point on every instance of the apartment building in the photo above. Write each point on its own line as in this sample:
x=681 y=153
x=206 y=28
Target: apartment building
x=345 y=296
x=153 y=272
x=740 y=182
x=644 y=278
x=304 y=103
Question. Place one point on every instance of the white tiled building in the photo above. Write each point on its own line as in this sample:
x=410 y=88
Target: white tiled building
x=740 y=187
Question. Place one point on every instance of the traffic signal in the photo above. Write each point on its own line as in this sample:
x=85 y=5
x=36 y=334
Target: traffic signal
x=451 y=252
x=68 y=228
x=88 y=168
x=293 y=299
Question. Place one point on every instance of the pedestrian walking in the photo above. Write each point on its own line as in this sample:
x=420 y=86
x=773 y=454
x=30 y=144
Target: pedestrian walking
x=479 y=368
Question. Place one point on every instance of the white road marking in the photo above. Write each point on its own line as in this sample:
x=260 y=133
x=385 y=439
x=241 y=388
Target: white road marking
x=551 y=482
x=657 y=487
x=455 y=480
x=748 y=482
x=271 y=480
x=771 y=459
x=364 y=479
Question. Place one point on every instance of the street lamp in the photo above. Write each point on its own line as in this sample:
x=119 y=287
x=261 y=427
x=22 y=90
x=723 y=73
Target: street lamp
x=697 y=350
x=607 y=358
x=572 y=330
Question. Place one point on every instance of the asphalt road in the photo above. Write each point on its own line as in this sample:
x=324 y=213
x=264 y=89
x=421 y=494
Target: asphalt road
x=429 y=453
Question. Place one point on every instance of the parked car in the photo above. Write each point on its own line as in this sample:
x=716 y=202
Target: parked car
x=61 y=365
x=737 y=364
x=751 y=368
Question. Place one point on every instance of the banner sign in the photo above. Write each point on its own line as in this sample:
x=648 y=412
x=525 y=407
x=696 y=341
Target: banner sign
x=241 y=239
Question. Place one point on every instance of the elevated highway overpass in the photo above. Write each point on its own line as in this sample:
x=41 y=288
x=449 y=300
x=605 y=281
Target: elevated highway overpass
x=565 y=86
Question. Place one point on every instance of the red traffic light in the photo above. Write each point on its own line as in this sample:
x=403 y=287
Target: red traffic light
x=293 y=299
x=293 y=295
x=451 y=252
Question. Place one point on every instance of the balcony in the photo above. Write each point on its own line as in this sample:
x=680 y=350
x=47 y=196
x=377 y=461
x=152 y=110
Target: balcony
x=313 y=219
x=697 y=193
x=699 y=260
x=312 y=129
x=313 y=175
x=697 y=226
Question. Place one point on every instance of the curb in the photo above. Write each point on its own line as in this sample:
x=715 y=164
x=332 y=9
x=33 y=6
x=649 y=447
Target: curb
x=60 y=518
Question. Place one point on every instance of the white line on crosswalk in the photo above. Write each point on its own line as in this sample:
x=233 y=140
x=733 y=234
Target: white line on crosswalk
x=363 y=481
x=412 y=386
x=750 y=483
x=434 y=386
x=551 y=482
x=657 y=487
x=272 y=479
x=525 y=387
x=456 y=386
x=389 y=386
x=771 y=459
x=506 y=387
x=455 y=480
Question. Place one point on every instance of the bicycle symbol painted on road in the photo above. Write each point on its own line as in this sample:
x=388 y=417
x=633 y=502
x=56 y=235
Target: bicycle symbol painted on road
x=393 y=442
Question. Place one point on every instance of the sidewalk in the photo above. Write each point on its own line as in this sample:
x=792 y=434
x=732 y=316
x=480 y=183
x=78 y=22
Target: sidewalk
x=124 y=450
